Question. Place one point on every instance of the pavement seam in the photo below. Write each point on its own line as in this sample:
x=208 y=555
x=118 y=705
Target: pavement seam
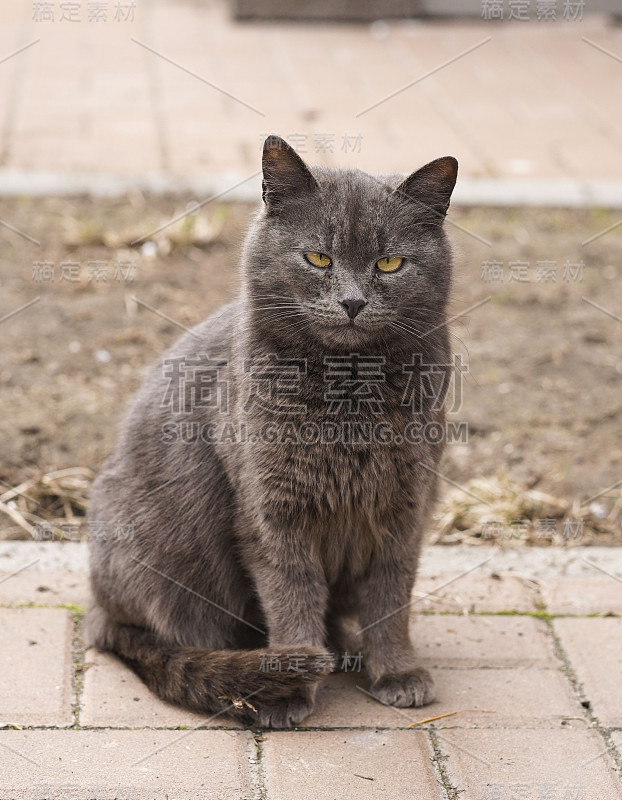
x=325 y=728
x=77 y=666
x=155 y=94
x=257 y=768
x=537 y=614
x=439 y=761
x=22 y=67
x=582 y=698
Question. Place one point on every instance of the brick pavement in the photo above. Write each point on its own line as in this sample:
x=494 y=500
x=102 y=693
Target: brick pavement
x=184 y=91
x=531 y=664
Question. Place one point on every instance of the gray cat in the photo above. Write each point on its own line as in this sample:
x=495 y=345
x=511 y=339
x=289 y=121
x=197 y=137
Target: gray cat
x=265 y=505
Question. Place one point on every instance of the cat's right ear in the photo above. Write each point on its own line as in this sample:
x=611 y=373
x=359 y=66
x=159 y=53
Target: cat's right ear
x=430 y=188
x=285 y=174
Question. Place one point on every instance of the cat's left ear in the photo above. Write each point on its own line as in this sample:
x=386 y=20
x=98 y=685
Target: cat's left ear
x=431 y=187
x=285 y=174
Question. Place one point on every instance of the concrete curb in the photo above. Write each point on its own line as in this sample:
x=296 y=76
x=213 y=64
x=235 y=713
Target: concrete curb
x=237 y=187
x=536 y=562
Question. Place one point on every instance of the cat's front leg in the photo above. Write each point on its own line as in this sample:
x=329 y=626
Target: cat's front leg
x=388 y=651
x=294 y=597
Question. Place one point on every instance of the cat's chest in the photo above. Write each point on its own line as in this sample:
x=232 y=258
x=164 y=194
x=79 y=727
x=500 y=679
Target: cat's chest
x=360 y=482
x=338 y=482
x=328 y=445
x=344 y=500
x=349 y=389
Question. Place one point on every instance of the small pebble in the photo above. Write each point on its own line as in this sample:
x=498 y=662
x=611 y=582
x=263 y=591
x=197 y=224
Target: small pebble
x=103 y=356
x=379 y=29
x=598 y=510
x=149 y=249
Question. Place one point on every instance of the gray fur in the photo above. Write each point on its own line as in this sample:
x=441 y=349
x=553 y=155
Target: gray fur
x=303 y=542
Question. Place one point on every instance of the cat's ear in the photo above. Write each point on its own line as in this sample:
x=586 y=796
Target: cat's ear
x=431 y=187
x=285 y=174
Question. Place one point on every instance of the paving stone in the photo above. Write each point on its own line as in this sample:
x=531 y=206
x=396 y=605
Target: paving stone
x=507 y=765
x=484 y=698
x=516 y=708
x=481 y=641
x=499 y=109
x=128 y=765
x=594 y=646
x=35 y=664
x=338 y=764
x=598 y=595
x=530 y=698
x=114 y=697
x=48 y=588
x=473 y=593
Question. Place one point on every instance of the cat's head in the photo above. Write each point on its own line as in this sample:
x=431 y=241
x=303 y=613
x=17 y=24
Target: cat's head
x=344 y=257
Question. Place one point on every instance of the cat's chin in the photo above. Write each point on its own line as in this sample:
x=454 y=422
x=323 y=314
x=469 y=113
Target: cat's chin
x=347 y=333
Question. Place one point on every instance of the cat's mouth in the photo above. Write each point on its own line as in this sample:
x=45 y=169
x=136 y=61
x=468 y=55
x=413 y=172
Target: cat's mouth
x=350 y=329
x=354 y=328
x=347 y=325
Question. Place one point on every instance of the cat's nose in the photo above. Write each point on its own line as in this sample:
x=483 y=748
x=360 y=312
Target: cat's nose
x=353 y=305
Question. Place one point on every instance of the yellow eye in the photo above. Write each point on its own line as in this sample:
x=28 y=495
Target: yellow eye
x=318 y=259
x=389 y=264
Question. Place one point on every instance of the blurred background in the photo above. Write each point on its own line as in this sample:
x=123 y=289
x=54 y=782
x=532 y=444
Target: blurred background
x=187 y=89
x=130 y=141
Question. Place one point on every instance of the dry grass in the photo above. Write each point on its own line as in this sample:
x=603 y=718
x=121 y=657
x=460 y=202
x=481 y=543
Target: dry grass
x=48 y=506
x=190 y=228
x=495 y=510
x=492 y=510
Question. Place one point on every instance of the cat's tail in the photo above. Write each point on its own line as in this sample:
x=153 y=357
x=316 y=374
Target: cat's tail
x=271 y=689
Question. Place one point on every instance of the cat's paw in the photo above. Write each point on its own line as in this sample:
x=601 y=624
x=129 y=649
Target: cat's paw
x=288 y=696
x=405 y=689
x=284 y=714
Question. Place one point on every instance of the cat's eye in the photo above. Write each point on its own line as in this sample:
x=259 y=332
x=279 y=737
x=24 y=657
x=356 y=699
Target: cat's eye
x=318 y=259
x=389 y=264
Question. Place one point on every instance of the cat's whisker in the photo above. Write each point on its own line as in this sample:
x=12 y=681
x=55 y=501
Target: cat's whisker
x=288 y=298
x=416 y=334
x=435 y=334
x=297 y=326
x=467 y=365
x=300 y=326
x=284 y=317
x=277 y=313
x=411 y=328
x=419 y=307
x=435 y=327
x=400 y=329
x=270 y=308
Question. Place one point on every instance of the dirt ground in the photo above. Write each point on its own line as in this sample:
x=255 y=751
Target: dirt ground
x=542 y=399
